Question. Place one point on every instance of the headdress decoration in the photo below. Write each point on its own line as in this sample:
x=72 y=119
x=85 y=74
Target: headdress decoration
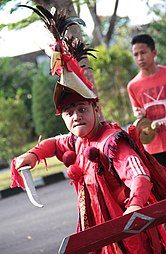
x=67 y=52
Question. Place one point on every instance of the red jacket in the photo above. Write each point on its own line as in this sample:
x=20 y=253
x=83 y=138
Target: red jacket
x=102 y=171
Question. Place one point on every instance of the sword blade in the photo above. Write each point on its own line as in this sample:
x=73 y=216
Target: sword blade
x=29 y=186
x=114 y=230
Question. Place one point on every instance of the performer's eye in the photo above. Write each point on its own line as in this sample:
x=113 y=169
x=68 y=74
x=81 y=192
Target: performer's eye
x=69 y=113
x=82 y=109
x=135 y=54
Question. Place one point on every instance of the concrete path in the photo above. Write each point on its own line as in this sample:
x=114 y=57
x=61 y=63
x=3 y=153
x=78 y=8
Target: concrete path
x=25 y=229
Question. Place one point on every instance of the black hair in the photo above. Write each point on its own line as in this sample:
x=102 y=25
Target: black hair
x=144 y=38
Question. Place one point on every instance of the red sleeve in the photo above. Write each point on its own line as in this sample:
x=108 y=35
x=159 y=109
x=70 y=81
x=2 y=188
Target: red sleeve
x=128 y=164
x=132 y=170
x=56 y=146
x=132 y=97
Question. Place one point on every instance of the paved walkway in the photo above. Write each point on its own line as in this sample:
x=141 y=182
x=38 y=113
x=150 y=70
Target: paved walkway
x=26 y=229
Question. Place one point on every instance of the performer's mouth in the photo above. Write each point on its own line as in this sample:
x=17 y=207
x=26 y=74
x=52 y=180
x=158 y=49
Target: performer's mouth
x=79 y=125
x=142 y=64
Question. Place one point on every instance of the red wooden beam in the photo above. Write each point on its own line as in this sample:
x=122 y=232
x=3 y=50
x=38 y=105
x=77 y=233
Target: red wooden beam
x=114 y=230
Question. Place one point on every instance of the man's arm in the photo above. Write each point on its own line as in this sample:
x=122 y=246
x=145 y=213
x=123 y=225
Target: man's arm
x=135 y=175
x=43 y=150
x=139 y=193
x=139 y=112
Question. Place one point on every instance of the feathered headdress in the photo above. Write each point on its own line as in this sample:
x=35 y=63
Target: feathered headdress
x=66 y=53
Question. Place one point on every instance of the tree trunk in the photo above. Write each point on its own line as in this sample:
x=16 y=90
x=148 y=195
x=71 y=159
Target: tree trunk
x=112 y=24
x=97 y=33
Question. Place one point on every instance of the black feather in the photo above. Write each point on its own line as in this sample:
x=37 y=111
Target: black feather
x=78 y=49
x=56 y=23
x=69 y=22
x=35 y=10
x=45 y=12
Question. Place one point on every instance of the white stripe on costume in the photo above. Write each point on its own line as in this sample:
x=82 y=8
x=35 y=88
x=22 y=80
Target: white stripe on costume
x=136 y=166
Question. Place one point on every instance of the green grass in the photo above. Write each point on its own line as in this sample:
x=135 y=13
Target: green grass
x=54 y=166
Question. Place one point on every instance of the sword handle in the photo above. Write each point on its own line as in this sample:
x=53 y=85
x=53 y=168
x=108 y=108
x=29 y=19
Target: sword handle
x=24 y=168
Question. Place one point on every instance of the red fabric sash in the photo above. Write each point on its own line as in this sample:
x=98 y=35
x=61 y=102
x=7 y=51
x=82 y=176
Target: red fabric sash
x=16 y=179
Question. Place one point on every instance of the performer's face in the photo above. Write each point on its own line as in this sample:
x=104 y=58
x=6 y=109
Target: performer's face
x=81 y=118
x=143 y=55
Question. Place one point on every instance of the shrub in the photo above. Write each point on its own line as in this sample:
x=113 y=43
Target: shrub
x=43 y=109
x=13 y=131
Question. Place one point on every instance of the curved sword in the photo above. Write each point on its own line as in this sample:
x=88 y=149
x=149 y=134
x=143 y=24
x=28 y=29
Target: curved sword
x=29 y=186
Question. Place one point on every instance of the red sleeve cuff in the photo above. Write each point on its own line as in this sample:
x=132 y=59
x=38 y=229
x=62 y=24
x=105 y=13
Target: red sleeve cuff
x=140 y=191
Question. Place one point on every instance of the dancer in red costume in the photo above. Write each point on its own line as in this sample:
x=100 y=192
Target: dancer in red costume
x=105 y=165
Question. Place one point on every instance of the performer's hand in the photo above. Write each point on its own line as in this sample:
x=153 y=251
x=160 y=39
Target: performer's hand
x=158 y=123
x=139 y=112
x=131 y=209
x=29 y=159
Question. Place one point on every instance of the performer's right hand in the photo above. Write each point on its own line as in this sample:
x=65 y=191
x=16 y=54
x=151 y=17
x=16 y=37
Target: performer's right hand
x=157 y=123
x=139 y=112
x=29 y=159
x=131 y=209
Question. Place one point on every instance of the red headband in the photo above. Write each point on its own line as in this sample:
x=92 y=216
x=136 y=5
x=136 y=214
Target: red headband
x=70 y=98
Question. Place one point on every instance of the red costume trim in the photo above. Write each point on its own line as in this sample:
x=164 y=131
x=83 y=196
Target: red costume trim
x=140 y=191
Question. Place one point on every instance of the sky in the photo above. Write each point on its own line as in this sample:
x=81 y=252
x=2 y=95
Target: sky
x=35 y=37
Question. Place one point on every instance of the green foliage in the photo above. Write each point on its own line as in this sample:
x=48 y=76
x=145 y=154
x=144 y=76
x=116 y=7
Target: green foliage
x=16 y=76
x=13 y=130
x=16 y=82
x=3 y=3
x=112 y=71
x=46 y=123
x=21 y=24
x=158 y=30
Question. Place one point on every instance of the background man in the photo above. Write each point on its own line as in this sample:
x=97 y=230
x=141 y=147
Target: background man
x=147 y=92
